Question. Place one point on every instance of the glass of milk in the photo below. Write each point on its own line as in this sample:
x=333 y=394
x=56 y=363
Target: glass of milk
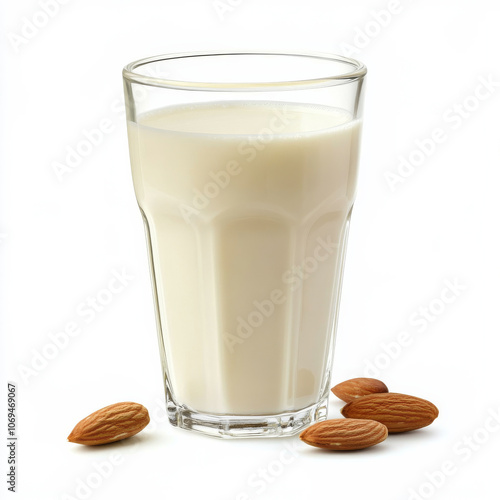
x=244 y=168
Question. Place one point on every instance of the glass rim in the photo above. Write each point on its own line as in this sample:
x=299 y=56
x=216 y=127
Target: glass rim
x=357 y=73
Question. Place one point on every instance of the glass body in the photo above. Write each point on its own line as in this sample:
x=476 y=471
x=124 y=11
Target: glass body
x=244 y=168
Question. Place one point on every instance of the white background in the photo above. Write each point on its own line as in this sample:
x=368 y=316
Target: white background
x=61 y=240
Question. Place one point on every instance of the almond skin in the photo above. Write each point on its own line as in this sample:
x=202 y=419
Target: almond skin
x=112 y=423
x=344 y=434
x=398 y=412
x=356 y=387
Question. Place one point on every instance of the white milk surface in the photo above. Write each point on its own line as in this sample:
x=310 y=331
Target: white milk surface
x=247 y=206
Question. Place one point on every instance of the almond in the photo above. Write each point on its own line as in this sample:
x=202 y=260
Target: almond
x=344 y=434
x=109 y=424
x=398 y=412
x=356 y=387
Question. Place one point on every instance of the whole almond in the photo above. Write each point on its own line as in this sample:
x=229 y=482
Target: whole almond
x=344 y=434
x=399 y=412
x=356 y=387
x=112 y=423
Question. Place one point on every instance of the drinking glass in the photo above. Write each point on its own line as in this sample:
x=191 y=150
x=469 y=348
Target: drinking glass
x=244 y=168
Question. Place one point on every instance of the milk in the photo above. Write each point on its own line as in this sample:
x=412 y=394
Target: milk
x=246 y=206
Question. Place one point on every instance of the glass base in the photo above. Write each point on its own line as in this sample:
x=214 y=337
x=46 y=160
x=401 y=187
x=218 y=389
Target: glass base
x=225 y=426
